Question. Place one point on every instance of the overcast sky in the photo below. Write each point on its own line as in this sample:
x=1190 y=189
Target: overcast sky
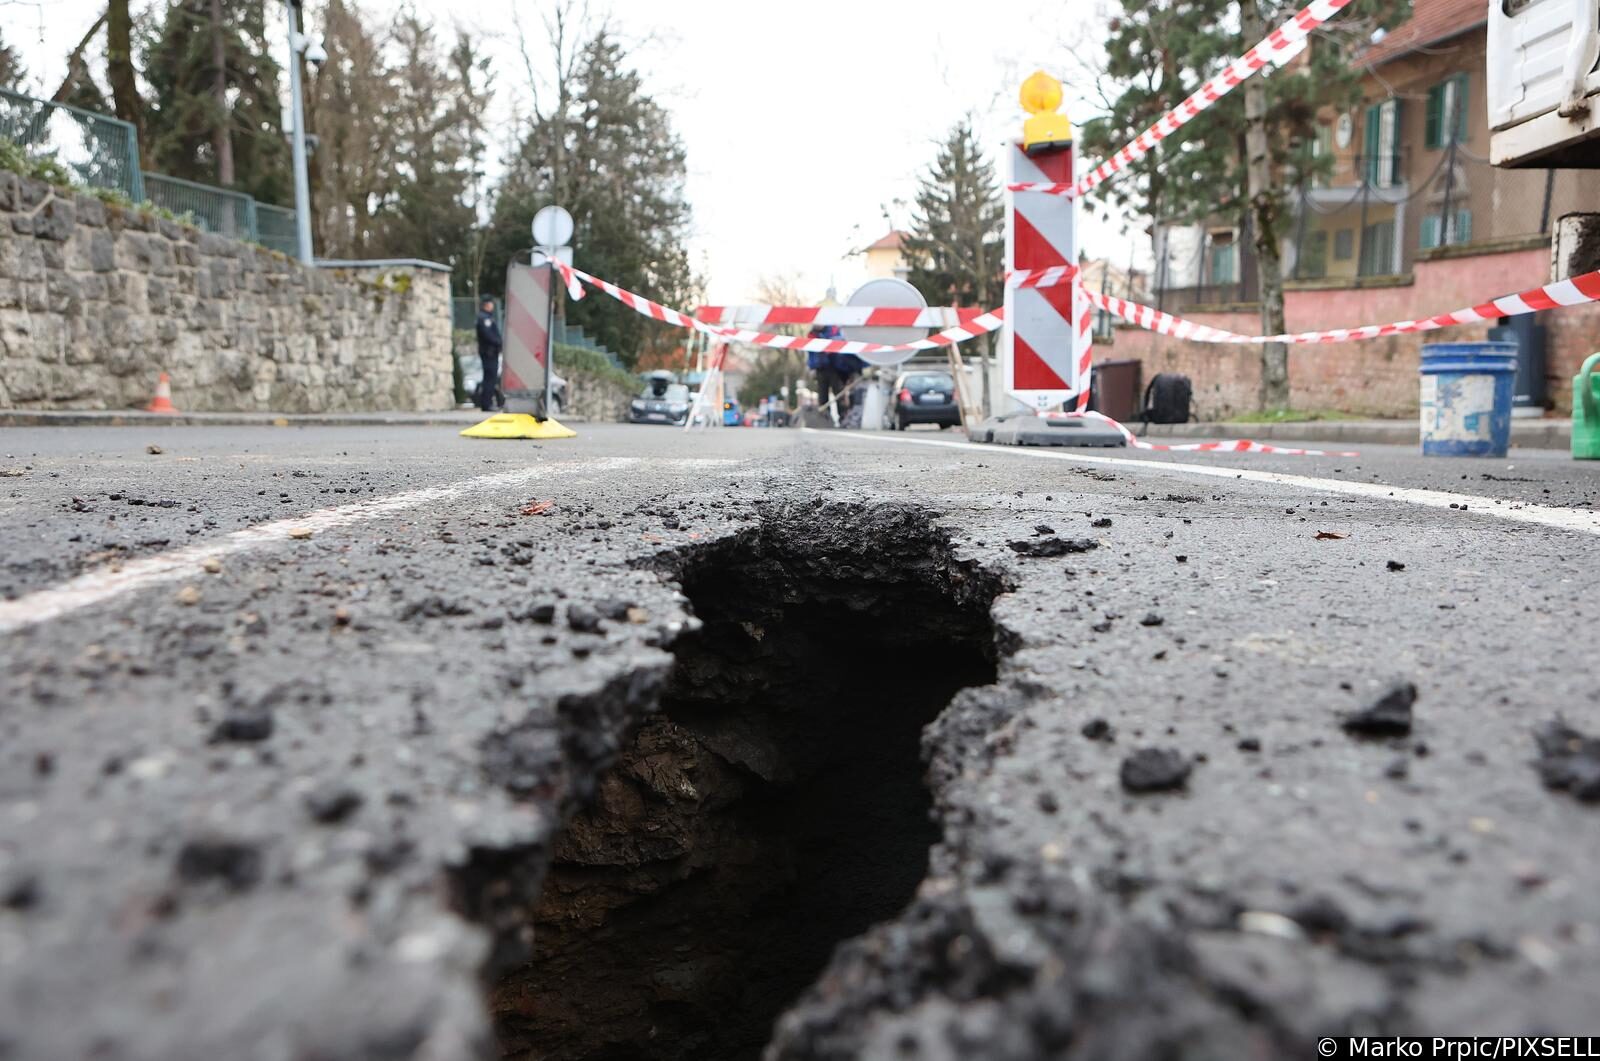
x=802 y=123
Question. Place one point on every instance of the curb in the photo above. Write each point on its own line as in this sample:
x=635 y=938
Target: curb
x=1525 y=434
x=133 y=418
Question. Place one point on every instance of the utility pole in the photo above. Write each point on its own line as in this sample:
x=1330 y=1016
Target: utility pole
x=297 y=133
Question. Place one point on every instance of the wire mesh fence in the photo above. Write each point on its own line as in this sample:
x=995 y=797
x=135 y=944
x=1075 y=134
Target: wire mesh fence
x=100 y=151
x=276 y=229
x=211 y=209
x=1386 y=215
x=95 y=149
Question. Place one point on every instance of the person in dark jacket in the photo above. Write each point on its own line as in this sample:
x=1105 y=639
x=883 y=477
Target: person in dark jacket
x=829 y=382
x=489 y=347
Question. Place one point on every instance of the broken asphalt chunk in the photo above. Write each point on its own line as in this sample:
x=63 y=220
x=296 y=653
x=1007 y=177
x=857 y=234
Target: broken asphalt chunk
x=1045 y=547
x=1388 y=716
x=1568 y=760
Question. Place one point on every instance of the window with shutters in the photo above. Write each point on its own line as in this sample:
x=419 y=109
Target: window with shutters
x=1344 y=244
x=1224 y=258
x=1446 y=120
x=1313 y=263
x=1382 y=132
x=1377 y=249
x=1435 y=233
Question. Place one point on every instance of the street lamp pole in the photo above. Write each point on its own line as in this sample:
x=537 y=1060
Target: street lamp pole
x=302 y=186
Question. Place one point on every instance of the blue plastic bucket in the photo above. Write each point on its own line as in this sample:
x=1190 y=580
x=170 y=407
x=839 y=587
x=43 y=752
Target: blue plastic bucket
x=1466 y=399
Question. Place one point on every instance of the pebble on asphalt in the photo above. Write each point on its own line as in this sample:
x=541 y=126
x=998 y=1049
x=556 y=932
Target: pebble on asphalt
x=1395 y=565
x=1097 y=729
x=1388 y=716
x=583 y=619
x=1568 y=760
x=331 y=802
x=252 y=723
x=1155 y=770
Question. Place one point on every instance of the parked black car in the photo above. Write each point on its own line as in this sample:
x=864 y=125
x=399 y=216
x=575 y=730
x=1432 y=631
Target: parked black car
x=661 y=402
x=924 y=397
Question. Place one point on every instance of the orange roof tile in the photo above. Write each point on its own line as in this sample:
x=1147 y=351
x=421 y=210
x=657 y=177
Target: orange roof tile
x=1431 y=21
x=892 y=242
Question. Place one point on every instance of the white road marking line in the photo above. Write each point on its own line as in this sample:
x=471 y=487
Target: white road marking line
x=96 y=587
x=1516 y=511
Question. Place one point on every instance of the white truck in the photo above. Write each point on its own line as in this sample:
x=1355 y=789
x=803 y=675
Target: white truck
x=1544 y=83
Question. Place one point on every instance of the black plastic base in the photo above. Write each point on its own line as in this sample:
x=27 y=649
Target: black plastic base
x=1026 y=429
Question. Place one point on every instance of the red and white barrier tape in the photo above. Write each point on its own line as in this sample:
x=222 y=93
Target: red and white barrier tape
x=1277 y=45
x=1573 y=291
x=848 y=316
x=1236 y=445
x=576 y=278
x=1054 y=275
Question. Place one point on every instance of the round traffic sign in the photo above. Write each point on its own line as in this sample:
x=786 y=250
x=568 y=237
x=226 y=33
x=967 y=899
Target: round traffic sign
x=552 y=227
x=887 y=293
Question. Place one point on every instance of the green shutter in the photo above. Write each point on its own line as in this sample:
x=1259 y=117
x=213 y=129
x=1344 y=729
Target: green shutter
x=1463 y=232
x=1461 y=108
x=1430 y=231
x=1370 y=132
x=1431 y=137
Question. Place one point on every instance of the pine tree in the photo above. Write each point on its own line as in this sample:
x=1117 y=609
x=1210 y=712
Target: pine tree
x=603 y=148
x=956 y=246
x=216 y=116
x=1239 y=159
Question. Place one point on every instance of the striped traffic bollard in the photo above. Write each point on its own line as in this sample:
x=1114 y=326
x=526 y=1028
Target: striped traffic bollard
x=1040 y=348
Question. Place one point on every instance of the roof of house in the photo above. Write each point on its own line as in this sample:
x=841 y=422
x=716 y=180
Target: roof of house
x=892 y=242
x=1431 y=21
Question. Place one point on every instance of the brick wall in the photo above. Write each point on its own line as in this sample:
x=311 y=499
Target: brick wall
x=1377 y=377
x=96 y=300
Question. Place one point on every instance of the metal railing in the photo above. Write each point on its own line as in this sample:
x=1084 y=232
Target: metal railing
x=96 y=149
x=211 y=209
x=275 y=229
x=100 y=151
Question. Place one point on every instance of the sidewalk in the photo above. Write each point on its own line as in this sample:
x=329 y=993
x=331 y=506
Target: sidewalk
x=1525 y=434
x=139 y=418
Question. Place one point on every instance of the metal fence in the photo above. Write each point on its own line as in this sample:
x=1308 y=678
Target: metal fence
x=1380 y=223
x=100 y=151
x=97 y=150
x=276 y=229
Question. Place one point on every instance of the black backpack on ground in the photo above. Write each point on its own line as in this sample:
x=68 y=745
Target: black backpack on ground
x=1167 y=399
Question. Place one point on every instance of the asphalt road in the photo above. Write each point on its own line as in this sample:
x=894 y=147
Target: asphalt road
x=283 y=736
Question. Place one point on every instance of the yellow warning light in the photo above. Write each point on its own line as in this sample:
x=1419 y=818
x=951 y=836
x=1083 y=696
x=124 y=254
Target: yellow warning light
x=1045 y=130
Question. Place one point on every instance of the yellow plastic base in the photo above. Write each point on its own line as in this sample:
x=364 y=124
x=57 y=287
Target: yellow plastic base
x=518 y=425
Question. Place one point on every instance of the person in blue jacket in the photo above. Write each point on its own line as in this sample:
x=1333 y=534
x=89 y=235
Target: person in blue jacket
x=825 y=365
x=489 y=346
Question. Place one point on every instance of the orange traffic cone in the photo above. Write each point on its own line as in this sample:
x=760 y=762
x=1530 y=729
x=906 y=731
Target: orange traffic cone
x=162 y=402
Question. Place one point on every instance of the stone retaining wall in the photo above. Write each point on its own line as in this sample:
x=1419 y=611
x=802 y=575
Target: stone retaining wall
x=96 y=300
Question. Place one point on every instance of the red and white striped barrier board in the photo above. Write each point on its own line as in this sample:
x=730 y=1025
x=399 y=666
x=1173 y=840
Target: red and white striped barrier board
x=1237 y=445
x=526 y=341
x=1278 y=44
x=1039 y=348
x=978 y=325
x=844 y=316
x=1573 y=291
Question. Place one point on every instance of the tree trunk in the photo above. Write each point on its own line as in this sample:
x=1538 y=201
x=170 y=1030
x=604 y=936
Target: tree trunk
x=221 y=131
x=1261 y=182
x=119 y=66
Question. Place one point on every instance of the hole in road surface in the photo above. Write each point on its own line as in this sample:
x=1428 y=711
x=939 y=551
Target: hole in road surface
x=772 y=808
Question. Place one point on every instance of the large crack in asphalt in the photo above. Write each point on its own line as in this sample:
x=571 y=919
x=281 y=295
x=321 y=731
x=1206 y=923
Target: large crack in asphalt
x=772 y=806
